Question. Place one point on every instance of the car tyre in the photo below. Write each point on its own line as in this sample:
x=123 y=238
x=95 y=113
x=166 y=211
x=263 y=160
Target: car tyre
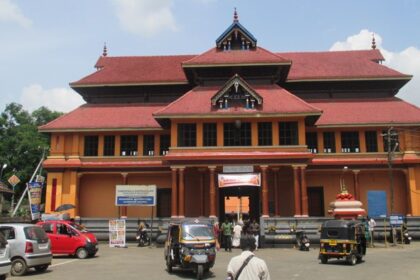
x=82 y=253
x=19 y=267
x=351 y=259
x=41 y=268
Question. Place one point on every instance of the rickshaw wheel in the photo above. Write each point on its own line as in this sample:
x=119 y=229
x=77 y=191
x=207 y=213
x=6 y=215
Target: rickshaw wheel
x=169 y=263
x=200 y=271
x=352 y=260
x=324 y=259
x=359 y=259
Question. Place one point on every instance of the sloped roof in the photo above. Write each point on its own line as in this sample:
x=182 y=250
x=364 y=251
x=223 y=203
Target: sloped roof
x=276 y=100
x=106 y=116
x=253 y=56
x=137 y=70
x=364 y=112
x=4 y=188
x=236 y=25
x=338 y=65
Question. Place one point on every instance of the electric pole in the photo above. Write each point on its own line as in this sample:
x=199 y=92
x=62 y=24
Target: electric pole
x=391 y=138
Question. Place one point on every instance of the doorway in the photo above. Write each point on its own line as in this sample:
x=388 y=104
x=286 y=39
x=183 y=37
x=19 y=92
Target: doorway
x=316 y=201
x=245 y=198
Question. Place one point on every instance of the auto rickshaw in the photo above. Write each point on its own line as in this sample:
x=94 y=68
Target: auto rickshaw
x=190 y=244
x=342 y=239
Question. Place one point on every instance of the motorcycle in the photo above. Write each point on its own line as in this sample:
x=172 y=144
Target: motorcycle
x=302 y=241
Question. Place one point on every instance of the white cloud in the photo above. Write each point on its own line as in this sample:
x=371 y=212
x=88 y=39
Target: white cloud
x=56 y=99
x=10 y=12
x=145 y=17
x=406 y=61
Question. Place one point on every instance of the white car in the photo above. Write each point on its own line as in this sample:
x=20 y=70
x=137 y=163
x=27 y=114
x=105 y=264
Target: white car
x=5 y=263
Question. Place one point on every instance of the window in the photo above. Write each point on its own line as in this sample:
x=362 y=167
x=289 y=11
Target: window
x=288 y=133
x=350 y=142
x=128 y=145
x=165 y=143
x=109 y=145
x=312 y=142
x=148 y=145
x=371 y=141
x=8 y=232
x=265 y=135
x=187 y=136
x=48 y=228
x=237 y=134
x=209 y=134
x=329 y=142
x=91 y=145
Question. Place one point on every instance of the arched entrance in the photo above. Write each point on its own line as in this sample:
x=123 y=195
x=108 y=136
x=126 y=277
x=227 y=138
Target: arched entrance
x=246 y=201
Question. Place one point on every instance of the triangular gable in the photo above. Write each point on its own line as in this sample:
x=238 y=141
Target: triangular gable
x=238 y=91
x=236 y=31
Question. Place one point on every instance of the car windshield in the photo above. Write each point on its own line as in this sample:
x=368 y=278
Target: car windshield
x=35 y=233
x=197 y=232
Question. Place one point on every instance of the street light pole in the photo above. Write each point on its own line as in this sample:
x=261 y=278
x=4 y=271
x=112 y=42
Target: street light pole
x=2 y=168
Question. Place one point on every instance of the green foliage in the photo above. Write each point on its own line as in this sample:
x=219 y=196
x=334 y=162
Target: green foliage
x=21 y=145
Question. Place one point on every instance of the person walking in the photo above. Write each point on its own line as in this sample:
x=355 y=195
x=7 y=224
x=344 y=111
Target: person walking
x=237 y=230
x=372 y=225
x=227 y=229
x=247 y=266
x=255 y=231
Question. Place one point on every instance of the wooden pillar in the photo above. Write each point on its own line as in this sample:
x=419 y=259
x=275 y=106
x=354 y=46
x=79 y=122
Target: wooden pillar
x=265 y=212
x=320 y=140
x=276 y=192
x=220 y=136
x=304 y=191
x=362 y=141
x=174 y=192
x=181 y=198
x=124 y=208
x=254 y=133
x=77 y=204
x=356 y=184
x=409 y=193
x=212 y=192
x=275 y=133
x=296 y=190
x=100 y=145
x=202 y=203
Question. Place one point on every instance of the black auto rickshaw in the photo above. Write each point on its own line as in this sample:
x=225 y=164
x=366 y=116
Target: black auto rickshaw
x=342 y=239
x=190 y=244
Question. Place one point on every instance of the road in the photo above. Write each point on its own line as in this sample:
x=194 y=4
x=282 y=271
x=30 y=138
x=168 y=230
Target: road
x=385 y=263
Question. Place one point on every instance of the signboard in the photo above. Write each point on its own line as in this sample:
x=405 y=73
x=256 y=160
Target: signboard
x=117 y=233
x=40 y=179
x=35 y=192
x=234 y=180
x=396 y=220
x=135 y=195
x=13 y=180
x=238 y=169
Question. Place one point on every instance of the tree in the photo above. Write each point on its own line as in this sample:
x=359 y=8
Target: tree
x=21 y=144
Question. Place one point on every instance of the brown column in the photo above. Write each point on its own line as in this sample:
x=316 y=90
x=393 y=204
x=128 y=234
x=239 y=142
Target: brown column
x=296 y=190
x=276 y=191
x=409 y=194
x=181 y=198
x=212 y=192
x=202 y=173
x=356 y=184
x=77 y=204
x=124 y=208
x=304 y=191
x=174 y=196
x=264 y=191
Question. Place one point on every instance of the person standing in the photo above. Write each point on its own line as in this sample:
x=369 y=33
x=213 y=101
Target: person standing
x=216 y=231
x=227 y=229
x=247 y=266
x=237 y=229
x=255 y=231
x=372 y=225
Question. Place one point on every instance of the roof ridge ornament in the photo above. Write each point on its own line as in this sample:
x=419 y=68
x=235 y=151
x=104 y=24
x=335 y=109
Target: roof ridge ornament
x=105 y=51
x=235 y=16
x=373 y=41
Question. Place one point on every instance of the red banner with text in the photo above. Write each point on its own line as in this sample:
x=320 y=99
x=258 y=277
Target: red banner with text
x=235 y=180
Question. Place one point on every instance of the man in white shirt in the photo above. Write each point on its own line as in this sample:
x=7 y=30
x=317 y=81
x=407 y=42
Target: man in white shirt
x=256 y=268
x=372 y=225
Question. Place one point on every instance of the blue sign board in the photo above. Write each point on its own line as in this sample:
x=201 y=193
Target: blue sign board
x=135 y=195
x=144 y=200
x=377 y=203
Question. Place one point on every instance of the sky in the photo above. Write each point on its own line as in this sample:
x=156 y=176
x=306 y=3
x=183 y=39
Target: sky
x=45 y=45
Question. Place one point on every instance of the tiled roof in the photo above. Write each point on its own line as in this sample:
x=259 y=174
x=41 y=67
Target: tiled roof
x=338 y=65
x=106 y=116
x=137 y=70
x=276 y=100
x=366 y=111
x=217 y=57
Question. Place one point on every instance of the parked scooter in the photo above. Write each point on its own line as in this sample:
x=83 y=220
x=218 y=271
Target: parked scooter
x=302 y=241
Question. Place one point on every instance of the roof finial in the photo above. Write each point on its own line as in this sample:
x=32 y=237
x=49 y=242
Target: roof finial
x=105 y=52
x=235 y=16
x=373 y=41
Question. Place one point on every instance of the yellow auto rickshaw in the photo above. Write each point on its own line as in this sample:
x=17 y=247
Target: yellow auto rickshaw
x=190 y=244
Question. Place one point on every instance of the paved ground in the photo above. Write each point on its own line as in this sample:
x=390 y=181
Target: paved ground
x=400 y=262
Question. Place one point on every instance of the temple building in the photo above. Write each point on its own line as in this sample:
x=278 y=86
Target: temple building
x=277 y=132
